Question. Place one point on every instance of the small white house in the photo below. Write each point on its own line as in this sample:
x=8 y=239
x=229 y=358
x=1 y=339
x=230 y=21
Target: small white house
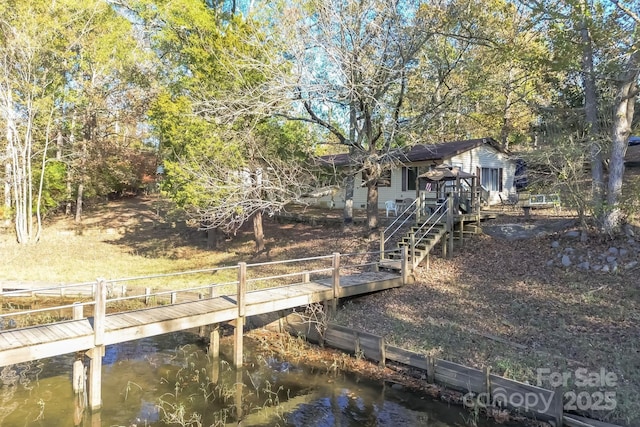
x=485 y=158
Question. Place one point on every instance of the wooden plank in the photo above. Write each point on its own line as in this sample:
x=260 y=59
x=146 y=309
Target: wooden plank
x=521 y=396
x=459 y=377
x=67 y=329
x=5 y=339
x=339 y=339
x=407 y=357
x=28 y=337
x=49 y=332
x=12 y=339
x=79 y=327
x=115 y=321
x=50 y=349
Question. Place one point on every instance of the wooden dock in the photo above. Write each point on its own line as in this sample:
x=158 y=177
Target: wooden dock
x=251 y=295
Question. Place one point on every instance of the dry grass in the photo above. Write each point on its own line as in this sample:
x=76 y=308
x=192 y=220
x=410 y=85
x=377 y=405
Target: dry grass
x=142 y=236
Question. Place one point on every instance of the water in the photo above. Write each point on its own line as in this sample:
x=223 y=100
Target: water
x=169 y=380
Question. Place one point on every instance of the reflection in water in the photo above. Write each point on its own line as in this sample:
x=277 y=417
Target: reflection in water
x=170 y=380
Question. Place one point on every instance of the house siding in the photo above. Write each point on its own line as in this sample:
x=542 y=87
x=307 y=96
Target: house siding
x=487 y=157
x=483 y=156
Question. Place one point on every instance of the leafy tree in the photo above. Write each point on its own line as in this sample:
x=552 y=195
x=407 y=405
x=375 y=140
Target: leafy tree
x=224 y=171
x=71 y=79
x=108 y=89
x=30 y=46
x=596 y=42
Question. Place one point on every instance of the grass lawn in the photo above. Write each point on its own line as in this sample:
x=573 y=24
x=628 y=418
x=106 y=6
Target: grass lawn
x=495 y=303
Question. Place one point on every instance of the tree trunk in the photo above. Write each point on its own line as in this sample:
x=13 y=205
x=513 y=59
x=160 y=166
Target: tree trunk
x=79 y=198
x=373 y=214
x=591 y=113
x=258 y=231
x=7 y=185
x=506 y=116
x=624 y=108
x=349 y=182
x=212 y=238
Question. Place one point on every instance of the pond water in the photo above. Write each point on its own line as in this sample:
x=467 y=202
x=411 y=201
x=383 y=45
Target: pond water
x=170 y=381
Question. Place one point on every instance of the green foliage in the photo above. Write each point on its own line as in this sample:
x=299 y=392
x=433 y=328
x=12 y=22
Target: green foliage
x=54 y=188
x=286 y=139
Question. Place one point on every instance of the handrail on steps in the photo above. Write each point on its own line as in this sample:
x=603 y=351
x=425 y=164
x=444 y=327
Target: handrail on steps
x=441 y=211
x=410 y=210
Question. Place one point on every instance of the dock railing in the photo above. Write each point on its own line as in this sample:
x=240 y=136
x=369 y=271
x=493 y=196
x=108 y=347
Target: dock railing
x=96 y=299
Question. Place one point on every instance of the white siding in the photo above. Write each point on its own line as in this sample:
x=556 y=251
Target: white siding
x=486 y=157
x=483 y=156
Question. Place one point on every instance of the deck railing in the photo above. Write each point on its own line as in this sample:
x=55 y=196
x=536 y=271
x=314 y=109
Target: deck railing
x=113 y=295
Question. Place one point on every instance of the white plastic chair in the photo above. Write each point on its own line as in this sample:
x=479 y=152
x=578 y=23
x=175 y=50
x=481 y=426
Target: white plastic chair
x=390 y=206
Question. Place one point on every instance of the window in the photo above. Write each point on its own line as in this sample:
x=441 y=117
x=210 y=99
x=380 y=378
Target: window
x=491 y=179
x=409 y=177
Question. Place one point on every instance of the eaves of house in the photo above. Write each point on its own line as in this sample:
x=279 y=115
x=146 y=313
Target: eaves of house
x=417 y=153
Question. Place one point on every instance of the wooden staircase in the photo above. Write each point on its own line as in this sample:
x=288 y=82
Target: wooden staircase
x=417 y=240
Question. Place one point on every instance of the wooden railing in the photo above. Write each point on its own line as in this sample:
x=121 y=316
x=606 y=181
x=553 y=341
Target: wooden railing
x=442 y=211
x=236 y=281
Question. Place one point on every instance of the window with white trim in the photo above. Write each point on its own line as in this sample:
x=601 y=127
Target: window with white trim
x=491 y=179
x=409 y=177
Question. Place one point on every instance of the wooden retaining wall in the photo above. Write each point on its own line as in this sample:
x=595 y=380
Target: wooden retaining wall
x=529 y=400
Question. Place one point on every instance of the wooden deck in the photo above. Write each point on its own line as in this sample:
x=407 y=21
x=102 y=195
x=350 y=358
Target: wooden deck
x=41 y=341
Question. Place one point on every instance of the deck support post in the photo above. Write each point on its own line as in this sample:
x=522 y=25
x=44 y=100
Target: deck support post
x=335 y=281
x=450 y=225
x=78 y=374
x=214 y=341
x=97 y=353
x=77 y=311
x=95 y=377
x=405 y=265
x=238 y=333
x=412 y=236
x=382 y=246
x=238 y=396
x=238 y=348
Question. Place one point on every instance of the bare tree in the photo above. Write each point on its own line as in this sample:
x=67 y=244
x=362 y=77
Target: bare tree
x=624 y=107
x=342 y=66
x=233 y=196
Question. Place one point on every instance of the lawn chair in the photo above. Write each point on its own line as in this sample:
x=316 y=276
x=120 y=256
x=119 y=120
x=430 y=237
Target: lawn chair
x=510 y=201
x=390 y=206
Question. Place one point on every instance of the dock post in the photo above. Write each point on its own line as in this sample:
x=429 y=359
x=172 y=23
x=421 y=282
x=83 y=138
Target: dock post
x=78 y=374
x=238 y=333
x=335 y=281
x=97 y=353
x=412 y=235
x=95 y=377
x=214 y=341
